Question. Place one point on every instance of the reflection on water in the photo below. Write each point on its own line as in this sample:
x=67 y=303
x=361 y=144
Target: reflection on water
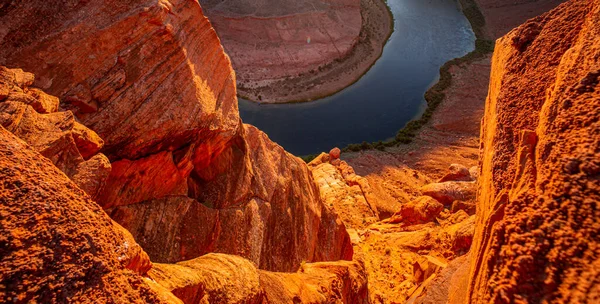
x=427 y=34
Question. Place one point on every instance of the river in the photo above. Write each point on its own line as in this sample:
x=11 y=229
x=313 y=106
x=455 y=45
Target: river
x=427 y=33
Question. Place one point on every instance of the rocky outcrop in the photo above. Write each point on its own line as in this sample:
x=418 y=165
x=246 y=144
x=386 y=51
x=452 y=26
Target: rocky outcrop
x=448 y=192
x=157 y=87
x=344 y=191
x=422 y=210
x=162 y=96
x=405 y=254
x=217 y=278
x=537 y=236
x=32 y=115
x=60 y=246
x=56 y=244
x=247 y=208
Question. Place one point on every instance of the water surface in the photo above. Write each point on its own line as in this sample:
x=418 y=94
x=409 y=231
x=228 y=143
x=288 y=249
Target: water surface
x=427 y=33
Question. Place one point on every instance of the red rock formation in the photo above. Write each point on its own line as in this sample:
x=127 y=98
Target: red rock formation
x=448 y=192
x=56 y=244
x=154 y=83
x=537 y=231
x=31 y=115
x=217 y=278
x=344 y=191
x=60 y=246
x=249 y=207
x=146 y=77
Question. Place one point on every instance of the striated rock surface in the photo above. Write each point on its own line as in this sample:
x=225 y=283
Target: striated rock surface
x=537 y=231
x=152 y=80
x=270 y=41
x=56 y=244
x=146 y=76
x=32 y=115
x=218 y=278
x=272 y=215
x=286 y=51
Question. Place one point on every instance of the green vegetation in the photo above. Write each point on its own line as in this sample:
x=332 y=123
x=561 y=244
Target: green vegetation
x=436 y=94
x=309 y=158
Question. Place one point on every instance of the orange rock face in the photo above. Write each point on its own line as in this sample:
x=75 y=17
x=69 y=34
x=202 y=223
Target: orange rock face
x=246 y=206
x=163 y=99
x=344 y=191
x=32 y=115
x=537 y=231
x=57 y=245
x=146 y=77
x=218 y=278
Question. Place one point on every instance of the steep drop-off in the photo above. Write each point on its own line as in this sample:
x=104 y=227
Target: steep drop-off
x=537 y=232
x=60 y=246
x=152 y=80
x=195 y=187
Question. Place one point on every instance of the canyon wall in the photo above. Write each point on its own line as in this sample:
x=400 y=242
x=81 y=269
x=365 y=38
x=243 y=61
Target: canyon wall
x=60 y=246
x=536 y=236
x=270 y=41
x=152 y=81
x=274 y=39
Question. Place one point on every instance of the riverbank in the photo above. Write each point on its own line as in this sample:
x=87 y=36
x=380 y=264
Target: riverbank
x=448 y=131
x=448 y=135
x=328 y=79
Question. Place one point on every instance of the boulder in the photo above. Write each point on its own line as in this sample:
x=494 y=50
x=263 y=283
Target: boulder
x=457 y=173
x=421 y=210
x=448 y=192
x=468 y=207
x=335 y=153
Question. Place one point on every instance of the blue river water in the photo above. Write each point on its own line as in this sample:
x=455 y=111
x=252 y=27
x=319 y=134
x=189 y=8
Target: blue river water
x=427 y=33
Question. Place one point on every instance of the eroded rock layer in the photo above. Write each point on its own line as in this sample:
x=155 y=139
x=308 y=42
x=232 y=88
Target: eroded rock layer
x=270 y=40
x=152 y=80
x=218 y=278
x=32 y=115
x=56 y=244
x=537 y=231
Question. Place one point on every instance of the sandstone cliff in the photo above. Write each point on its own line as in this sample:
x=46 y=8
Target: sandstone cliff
x=152 y=80
x=537 y=231
x=60 y=246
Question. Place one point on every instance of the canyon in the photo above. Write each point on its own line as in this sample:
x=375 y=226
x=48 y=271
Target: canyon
x=287 y=51
x=127 y=175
